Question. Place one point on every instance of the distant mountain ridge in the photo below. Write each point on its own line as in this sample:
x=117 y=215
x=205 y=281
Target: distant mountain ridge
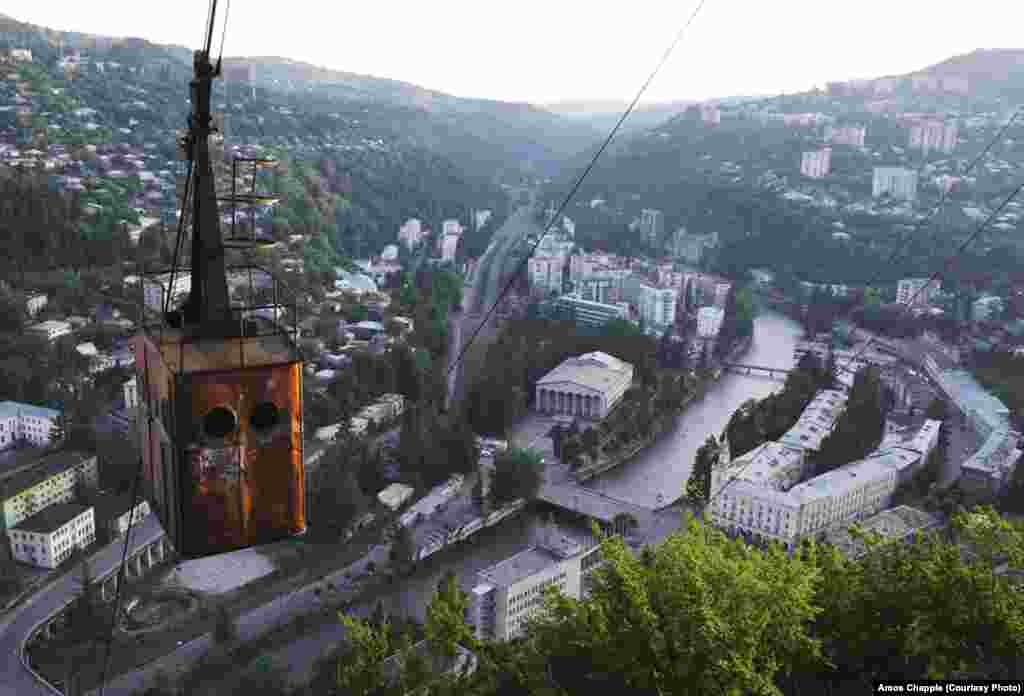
x=485 y=137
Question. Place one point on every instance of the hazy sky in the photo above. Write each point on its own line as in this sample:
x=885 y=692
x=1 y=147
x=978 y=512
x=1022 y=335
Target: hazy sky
x=551 y=50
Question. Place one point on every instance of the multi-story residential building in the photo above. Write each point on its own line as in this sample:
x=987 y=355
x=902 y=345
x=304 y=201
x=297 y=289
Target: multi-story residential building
x=512 y=590
x=817 y=163
x=656 y=306
x=652 y=224
x=480 y=217
x=917 y=291
x=946 y=182
x=986 y=308
x=45 y=482
x=449 y=246
x=35 y=302
x=934 y=135
x=131 y=394
x=569 y=226
x=711 y=114
x=709 y=321
x=453 y=227
x=20 y=55
x=47 y=538
x=898 y=182
x=588 y=385
x=49 y=330
x=692 y=247
x=588 y=313
x=846 y=135
x=114 y=512
x=411 y=233
x=156 y=289
x=722 y=289
x=25 y=423
x=546 y=273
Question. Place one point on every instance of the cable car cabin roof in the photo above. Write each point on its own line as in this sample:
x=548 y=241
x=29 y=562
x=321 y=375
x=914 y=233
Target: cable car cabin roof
x=259 y=341
x=182 y=352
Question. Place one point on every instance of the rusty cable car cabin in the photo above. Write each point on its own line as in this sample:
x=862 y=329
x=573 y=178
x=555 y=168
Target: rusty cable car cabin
x=220 y=383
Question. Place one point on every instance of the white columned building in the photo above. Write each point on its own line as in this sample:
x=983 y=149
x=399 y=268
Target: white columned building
x=588 y=386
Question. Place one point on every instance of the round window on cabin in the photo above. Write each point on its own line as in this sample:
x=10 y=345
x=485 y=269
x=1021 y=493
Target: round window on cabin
x=265 y=416
x=220 y=422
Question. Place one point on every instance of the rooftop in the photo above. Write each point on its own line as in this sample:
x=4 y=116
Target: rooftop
x=595 y=370
x=11 y=409
x=52 y=518
x=840 y=481
x=47 y=465
x=771 y=464
x=519 y=567
x=111 y=505
x=892 y=524
x=997 y=453
x=970 y=395
x=815 y=423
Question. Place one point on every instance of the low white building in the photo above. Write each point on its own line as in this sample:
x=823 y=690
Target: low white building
x=588 y=385
x=395 y=495
x=411 y=233
x=709 y=321
x=155 y=289
x=25 y=423
x=49 y=330
x=114 y=512
x=131 y=393
x=47 y=481
x=47 y=538
x=35 y=303
x=507 y=593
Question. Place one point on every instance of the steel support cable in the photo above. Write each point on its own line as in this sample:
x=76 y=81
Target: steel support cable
x=579 y=182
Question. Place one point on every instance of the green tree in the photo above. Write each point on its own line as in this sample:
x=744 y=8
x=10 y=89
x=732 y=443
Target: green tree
x=359 y=666
x=652 y=628
x=698 y=486
x=446 y=625
x=518 y=473
x=591 y=441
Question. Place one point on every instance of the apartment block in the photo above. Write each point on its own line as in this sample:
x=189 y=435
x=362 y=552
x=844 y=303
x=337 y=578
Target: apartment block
x=509 y=592
x=846 y=135
x=156 y=289
x=709 y=321
x=816 y=164
x=47 y=538
x=656 y=306
x=589 y=313
x=917 y=291
x=46 y=481
x=652 y=225
x=411 y=233
x=934 y=135
x=546 y=272
x=25 y=423
x=898 y=182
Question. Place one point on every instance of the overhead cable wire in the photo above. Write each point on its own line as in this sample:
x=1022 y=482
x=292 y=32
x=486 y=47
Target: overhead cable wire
x=579 y=182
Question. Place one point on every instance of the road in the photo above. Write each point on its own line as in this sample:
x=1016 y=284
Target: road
x=16 y=626
x=483 y=290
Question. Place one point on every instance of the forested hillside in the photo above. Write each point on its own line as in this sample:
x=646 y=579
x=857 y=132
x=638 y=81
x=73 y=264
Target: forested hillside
x=383 y=155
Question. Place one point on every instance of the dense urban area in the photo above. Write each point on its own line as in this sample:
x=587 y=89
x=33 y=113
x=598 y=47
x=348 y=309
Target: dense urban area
x=743 y=416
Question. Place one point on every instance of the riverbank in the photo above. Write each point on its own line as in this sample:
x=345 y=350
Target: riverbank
x=664 y=422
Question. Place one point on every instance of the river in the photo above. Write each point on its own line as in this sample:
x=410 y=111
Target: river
x=664 y=467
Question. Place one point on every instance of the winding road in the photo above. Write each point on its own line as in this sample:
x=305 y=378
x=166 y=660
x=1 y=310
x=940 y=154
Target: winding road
x=18 y=625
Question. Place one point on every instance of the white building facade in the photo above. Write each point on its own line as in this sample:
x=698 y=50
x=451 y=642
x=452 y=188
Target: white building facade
x=816 y=164
x=934 y=135
x=34 y=303
x=509 y=592
x=588 y=386
x=49 y=330
x=50 y=481
x=917 y=291
x=897 y=182
x=546 y=273
x=846 y=135
x=25 y=423
x=411 y=233
x=155 y=290
x=709 y=321
x=48 y=538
